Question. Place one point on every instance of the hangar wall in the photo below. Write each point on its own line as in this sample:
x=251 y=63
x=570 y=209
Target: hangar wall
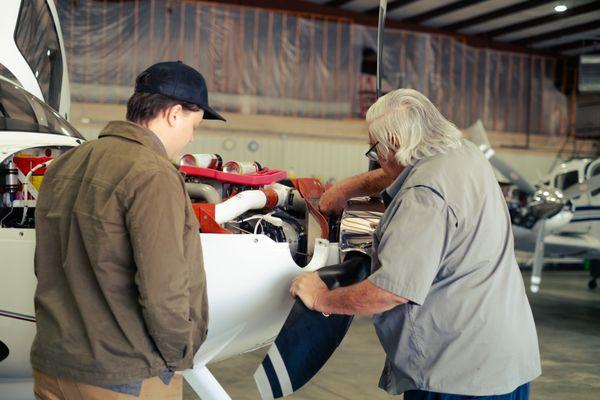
x=269 y=62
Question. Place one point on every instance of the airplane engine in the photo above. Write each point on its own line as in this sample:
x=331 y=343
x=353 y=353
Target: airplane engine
x=21 y=175
x=245 y=198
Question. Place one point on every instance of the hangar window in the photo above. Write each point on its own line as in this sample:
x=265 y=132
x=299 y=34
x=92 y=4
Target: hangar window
x=37 y=39
x=566 y=180
x=21 y=111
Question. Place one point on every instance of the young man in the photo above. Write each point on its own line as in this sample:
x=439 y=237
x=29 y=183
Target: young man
x=450 y=306
x=121 y=298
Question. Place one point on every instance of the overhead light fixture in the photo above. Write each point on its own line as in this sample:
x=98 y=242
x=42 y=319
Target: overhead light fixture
x=560 y=8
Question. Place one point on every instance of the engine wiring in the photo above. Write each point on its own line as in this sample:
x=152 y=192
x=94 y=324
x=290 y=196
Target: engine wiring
x=12 y=207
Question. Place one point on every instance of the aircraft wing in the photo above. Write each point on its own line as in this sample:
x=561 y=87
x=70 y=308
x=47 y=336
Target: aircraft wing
x=573 y=245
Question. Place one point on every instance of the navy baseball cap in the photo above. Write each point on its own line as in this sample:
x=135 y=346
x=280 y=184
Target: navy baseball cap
x=178 y=81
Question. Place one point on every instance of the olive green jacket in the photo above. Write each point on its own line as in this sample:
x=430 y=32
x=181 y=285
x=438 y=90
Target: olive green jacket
x=121 y=291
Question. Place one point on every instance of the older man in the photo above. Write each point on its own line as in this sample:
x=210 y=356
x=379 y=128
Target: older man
x=121 y=298
x=450 y=306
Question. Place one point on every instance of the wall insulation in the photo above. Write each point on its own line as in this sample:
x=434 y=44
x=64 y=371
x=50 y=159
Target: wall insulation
x=259 y=61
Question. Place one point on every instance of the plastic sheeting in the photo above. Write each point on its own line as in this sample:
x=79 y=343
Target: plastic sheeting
x=270 y=62
x=510 y=92
x=254 y=61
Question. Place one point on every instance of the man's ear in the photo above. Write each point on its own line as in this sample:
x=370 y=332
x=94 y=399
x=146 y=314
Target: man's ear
x=173 y=113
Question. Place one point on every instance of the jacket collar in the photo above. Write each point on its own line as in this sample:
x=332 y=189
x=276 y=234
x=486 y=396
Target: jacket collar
x=137 y=133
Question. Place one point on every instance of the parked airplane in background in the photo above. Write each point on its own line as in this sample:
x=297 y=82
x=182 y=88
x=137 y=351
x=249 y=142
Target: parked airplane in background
x=570 y=229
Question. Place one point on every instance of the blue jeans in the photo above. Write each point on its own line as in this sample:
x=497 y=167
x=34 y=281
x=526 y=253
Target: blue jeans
x=520 y=393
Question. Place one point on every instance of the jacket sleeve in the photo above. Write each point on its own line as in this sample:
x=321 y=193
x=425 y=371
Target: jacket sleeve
x=155 y=220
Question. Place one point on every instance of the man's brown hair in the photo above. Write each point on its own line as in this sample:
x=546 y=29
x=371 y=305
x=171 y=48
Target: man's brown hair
x=143 y=107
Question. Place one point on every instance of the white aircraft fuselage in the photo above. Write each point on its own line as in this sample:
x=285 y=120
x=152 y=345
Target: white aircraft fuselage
x=579 y=235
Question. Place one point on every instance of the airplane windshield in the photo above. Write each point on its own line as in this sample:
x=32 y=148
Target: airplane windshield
x=566 y=180
x=37 y=39
x=21 y=111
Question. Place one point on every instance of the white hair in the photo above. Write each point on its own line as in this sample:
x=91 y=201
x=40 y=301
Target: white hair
x=408 y=124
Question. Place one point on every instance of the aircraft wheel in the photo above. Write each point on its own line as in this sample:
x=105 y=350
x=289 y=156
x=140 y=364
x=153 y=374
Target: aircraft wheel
x=592 y=284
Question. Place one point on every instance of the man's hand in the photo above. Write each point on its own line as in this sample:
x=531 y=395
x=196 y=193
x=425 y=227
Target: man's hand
x=333 y=201
x=308 y=287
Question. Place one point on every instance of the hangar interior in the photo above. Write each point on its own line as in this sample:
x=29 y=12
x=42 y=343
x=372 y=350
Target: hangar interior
x=294 y=80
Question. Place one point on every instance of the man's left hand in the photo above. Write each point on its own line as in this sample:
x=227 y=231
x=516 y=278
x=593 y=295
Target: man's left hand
x=308 y=287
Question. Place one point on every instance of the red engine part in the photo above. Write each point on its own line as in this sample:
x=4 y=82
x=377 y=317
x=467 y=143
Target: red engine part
x=312 y=190
x=261 y=178
x=205 y=213
x=25 y=164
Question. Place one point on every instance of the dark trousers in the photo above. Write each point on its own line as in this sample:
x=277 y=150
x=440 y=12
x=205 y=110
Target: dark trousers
x=520 y=393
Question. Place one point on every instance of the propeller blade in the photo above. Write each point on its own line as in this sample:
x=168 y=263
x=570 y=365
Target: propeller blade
x=478 y=135
x=308 y=338
x=538 y=258
x=509 y=172
x=578 y=189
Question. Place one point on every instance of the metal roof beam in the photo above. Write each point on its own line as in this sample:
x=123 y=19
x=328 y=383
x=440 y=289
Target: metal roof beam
x=558 y=33
x=303 y=7
x=499 y=13
x=575 y=44
x=337 y=3
x=546 y=19
x=436 y=12
x=590 y=49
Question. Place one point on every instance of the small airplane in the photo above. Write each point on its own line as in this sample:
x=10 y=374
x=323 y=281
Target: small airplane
x=558 y=217
x=254 y=243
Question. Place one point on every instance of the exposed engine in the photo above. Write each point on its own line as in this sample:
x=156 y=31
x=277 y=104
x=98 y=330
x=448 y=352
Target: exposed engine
x=21 y=175
x=245 y=198
x=248 y=199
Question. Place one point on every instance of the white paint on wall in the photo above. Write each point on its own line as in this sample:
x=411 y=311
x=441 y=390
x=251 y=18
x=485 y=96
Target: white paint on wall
x=320 y=158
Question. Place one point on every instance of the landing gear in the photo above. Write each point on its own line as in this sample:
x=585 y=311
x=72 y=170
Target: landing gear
x=595 y=273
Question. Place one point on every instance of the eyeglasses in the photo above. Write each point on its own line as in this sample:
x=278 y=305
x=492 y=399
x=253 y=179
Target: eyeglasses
x=371 y=154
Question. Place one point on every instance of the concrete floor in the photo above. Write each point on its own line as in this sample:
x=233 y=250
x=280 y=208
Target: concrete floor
x=567 y=315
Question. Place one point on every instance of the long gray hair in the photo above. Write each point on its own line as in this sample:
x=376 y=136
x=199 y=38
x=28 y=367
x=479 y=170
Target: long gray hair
x=410 y=126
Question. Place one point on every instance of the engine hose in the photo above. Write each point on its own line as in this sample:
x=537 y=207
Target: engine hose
x=204 y=192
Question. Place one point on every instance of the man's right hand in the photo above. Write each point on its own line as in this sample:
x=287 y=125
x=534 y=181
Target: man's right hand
x=333 y=201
